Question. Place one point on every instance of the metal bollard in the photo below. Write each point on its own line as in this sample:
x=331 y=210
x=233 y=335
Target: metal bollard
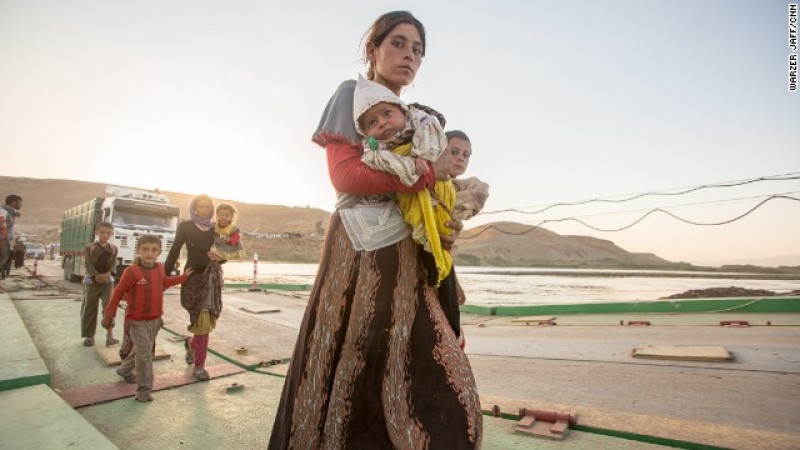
x=254 y=286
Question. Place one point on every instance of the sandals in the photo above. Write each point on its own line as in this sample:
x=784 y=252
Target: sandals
x=111 y=341
x=189 y=351
x=200 y=374
x=88 y=342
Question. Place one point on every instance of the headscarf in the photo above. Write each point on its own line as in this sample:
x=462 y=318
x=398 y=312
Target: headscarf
x=199 y=220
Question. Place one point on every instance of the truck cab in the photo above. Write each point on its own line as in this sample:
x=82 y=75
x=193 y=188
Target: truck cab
x=133 y=217
x=133 y=212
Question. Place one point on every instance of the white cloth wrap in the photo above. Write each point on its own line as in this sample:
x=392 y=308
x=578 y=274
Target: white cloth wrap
x=371 y=227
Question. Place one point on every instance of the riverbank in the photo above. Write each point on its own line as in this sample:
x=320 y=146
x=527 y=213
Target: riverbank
x=582 y=365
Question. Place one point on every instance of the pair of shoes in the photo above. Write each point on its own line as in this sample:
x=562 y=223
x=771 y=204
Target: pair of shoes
x=111 y=341
x=200 y=374
x=130 y=378
x=88 y=342
x=189 y=351
x=144 y=396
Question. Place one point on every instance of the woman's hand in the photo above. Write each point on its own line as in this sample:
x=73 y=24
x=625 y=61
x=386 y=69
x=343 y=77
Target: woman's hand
x=448 y=240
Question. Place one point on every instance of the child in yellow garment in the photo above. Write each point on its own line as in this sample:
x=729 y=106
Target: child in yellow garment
x=227 y=240
x=399 y=139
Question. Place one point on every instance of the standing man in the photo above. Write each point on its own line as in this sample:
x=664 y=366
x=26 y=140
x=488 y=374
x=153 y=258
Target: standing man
x=10 y=211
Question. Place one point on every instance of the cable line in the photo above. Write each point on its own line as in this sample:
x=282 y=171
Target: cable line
x=663 y=192
x=684 y=205
x=648 y=213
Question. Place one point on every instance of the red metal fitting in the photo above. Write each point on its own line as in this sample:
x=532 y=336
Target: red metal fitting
x=734 y=323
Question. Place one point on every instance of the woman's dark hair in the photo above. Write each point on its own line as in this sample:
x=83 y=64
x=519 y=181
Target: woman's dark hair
x=458 y=134
x=427 y=109
x=381 y=28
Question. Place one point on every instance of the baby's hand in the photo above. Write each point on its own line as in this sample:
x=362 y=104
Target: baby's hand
x=188 y=271
x=421 y=166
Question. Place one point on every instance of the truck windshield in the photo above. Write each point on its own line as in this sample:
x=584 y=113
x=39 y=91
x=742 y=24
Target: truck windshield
x=148 y=220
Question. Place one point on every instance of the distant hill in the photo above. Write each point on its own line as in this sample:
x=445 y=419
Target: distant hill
x=502 y=244
x=508 y=244
x=45 y=200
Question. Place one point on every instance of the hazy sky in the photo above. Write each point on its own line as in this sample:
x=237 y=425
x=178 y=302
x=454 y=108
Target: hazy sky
x=563 y=101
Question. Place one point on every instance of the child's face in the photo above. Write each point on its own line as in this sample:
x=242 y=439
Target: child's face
x=223 y=215
x=203 y=208
x=383 y=121
x=104 y=234
x=460 y=151
x=148 y=253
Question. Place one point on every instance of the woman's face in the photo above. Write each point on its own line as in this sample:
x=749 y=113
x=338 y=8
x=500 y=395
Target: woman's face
x=460 y=151
x=203 y=208
x=398 y=58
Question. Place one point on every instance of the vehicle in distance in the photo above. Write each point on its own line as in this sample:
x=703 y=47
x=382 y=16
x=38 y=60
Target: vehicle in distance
x=35 y=251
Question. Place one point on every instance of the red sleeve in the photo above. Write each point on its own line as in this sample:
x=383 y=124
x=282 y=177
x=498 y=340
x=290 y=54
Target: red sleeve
x=120 y=289
x=173 y=280
x=351 y=176
x=235 y=238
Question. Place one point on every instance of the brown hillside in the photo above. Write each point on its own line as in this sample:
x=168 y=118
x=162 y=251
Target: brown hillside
x=45 y=200
x=507 y=243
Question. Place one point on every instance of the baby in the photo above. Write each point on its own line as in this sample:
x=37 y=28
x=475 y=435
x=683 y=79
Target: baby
x=399 y=139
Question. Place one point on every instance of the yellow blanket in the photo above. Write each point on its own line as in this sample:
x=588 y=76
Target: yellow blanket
x=426 y=220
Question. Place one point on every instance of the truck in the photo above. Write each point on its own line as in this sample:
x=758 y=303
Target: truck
x=133 y=212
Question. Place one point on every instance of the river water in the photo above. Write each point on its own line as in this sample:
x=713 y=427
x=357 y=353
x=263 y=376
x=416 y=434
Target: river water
x=491 y=286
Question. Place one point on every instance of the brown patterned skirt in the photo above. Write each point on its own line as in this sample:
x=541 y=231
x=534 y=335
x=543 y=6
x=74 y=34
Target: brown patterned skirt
x=376 y=364
x=200 y=284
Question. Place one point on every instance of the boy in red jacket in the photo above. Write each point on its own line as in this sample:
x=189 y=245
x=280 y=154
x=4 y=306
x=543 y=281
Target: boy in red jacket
x=142 y=284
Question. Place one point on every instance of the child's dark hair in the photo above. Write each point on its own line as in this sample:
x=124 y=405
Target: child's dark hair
x=13 y=198
x=457 y=134
x=148 y=239
x=439 y=116
x=227 y=207
x=104 y=224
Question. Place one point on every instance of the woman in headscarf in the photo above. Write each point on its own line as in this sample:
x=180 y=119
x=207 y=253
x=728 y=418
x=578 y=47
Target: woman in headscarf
x=376 y=364
x=201 y=296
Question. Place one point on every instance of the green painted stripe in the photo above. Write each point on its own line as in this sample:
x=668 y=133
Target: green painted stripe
x=271 y=286
x=248 y=367
x=667 y=442
x=707 y=305
x=16 y=383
